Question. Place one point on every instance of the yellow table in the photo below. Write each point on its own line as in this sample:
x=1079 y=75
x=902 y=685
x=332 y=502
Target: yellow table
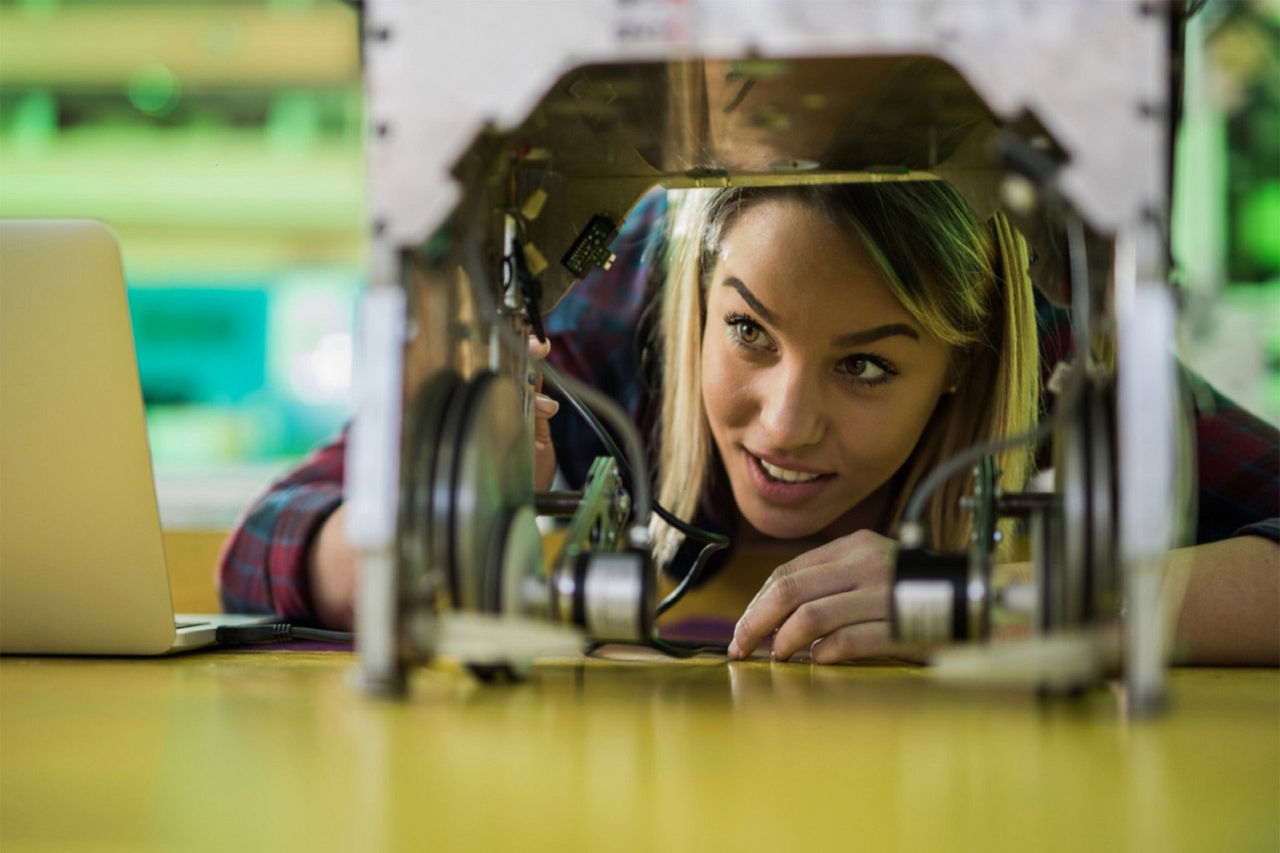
x=192 y=557
x=268 y=751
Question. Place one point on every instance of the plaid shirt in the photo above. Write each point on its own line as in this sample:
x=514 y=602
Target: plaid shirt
x=599 y=334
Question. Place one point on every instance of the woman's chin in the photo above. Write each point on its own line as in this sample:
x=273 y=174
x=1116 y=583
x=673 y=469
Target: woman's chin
x=777 y=525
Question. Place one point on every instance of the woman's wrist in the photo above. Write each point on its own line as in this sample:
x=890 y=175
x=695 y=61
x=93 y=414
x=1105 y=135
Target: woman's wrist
x=331 y=573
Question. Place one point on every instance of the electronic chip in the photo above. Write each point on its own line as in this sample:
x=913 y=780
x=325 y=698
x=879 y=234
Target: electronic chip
x=591 y=249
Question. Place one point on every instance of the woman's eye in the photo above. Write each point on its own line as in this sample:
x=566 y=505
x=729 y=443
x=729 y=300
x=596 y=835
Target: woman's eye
x=866 y=370
x=747 y=332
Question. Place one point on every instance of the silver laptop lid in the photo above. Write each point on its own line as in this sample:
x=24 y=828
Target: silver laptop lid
x=82 y=567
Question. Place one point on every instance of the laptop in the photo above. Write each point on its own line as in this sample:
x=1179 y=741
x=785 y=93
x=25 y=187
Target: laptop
x=82 y=564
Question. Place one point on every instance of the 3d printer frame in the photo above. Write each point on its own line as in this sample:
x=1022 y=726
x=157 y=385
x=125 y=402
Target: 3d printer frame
x=505 y=134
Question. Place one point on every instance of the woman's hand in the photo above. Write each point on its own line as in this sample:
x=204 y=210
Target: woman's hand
x=833 y=600
x=544 y=452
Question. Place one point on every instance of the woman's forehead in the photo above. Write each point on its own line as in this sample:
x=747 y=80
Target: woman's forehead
x=798 y=264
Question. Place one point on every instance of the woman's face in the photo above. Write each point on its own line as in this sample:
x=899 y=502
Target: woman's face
x=817 y=382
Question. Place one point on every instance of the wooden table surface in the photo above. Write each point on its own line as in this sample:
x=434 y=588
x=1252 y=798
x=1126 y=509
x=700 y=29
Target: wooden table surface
x=252 y=750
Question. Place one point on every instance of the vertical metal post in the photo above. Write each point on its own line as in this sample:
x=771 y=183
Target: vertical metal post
x=373 y=465
x=1147 y=423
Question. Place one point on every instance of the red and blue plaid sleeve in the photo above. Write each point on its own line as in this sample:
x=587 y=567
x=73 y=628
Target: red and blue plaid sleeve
x=1237 y=454
x=598 y=335
x=263 y=568
x=1238 y=468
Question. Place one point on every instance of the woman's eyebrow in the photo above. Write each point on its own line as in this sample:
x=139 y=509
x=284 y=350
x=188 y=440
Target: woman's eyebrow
x=852 y=339
x=867 y=336
x=750 y=299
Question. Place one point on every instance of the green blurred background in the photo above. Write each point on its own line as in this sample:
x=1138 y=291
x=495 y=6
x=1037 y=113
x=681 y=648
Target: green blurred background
x=222 y=140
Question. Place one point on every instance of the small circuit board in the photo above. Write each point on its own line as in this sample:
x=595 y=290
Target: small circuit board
x=591 y=249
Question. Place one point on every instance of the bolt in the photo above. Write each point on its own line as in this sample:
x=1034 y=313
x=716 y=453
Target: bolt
x=638 y=536
x=1019 y=194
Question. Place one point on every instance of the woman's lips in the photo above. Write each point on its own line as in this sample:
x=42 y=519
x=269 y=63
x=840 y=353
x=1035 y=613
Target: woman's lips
x=777 y=491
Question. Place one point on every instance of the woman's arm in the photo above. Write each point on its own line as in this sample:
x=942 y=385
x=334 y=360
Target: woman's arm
x=331 y=573
x=1231 y=610
x=835 y=601
x=263 y=566
x=332 y=561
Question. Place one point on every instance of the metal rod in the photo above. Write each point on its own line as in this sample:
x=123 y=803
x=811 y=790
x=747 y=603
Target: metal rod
x=558 y=504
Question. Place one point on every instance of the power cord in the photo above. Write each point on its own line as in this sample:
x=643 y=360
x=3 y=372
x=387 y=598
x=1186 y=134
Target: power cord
x=672 y=648
x=633 y=462
x=277 y=632
x=714 y=541
x=685 y=650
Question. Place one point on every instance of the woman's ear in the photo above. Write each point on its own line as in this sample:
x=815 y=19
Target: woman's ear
x=956 y=367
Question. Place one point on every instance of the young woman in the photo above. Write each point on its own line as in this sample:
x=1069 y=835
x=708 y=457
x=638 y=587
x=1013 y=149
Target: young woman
x=819 y=349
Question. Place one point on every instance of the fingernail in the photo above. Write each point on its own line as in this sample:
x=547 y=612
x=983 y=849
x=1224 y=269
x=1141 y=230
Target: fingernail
x=545 y=405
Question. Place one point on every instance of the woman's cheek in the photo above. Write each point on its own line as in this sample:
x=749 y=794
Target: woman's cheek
x=717 y=379
x=876 y=439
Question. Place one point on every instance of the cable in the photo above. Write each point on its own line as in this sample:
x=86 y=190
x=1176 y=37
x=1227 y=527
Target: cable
x=685 y=650
x=587 y=401
x=1078 y=266
x=944 y=472
x=277 y=632
x=475 y=266
x=634 y=458
x=690 y=578
x=714 y=541
x=612 y=448
x=673 y=648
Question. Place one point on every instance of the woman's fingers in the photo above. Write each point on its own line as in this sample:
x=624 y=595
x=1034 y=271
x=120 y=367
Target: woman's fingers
x=543 y=409
x=862 y=560
x=864 y=640
x=544 y=453
x=538 y=350
x=786 y=590
x=817 y=619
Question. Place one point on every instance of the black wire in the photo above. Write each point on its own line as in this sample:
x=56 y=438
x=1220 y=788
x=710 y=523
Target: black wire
x=613 y=450
x=277 y=632
x=321 y=635
x=690 y=578
x=473 y=263
x=714 y=541
x=673 y=648
x=685 y=650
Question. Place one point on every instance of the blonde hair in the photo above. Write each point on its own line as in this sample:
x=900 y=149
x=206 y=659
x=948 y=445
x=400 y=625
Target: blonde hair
x=965 y=282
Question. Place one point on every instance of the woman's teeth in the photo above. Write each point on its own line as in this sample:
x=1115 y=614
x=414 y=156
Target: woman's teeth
x=786 y=475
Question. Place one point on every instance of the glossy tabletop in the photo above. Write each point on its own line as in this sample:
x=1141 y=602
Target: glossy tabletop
x=266 y=751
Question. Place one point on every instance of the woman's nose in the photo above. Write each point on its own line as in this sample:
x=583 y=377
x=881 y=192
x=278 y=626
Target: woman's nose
x=791 y=408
